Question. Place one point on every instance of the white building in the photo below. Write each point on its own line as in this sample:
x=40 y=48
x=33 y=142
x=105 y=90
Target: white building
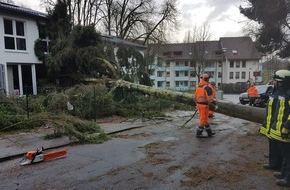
x=20 y=28
x=229 y=60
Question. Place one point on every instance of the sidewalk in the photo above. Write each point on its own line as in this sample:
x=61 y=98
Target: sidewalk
x=16 y=145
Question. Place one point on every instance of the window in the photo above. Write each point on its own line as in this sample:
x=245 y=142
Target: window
x=237 y=75
x=167 y=64
x=177 y=53
x=231 y=64
x=238 y=64
x=159 y=73
x=168 y=74
x=243 y=75
x=166 y=53
x=42 y=30
x=177 y=73
x=186 y=63
x=244 y=64
x=220 y=64
x=192 y=74
x=231 y=75
x=14 y=35
x=159 y=84
x=185 y=83
x=177 y=64
x=186 y=73
x=211 y=74
x=192 y=83
x=167 y=84
x=176 y=83
x=220 y=75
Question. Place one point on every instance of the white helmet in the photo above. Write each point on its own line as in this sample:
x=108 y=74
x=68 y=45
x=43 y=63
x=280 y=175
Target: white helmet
x=281 y=75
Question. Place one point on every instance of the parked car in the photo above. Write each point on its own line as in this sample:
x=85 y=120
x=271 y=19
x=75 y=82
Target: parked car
x=263 y=91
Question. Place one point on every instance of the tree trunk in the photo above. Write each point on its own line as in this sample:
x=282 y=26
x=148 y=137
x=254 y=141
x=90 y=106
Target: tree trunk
x=249 y=113
x=224 y=107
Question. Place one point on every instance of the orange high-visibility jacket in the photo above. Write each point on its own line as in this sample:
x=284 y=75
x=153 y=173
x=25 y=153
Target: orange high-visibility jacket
x=252 y=91
x=203 y=93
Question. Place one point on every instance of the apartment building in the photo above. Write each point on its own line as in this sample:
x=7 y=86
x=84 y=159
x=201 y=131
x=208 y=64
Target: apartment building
x=228 y=60
x=19 y=29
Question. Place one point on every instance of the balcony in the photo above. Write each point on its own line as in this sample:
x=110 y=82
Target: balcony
x=182 y=78
x=182 y=88
x=209 y=69
x=182 y=68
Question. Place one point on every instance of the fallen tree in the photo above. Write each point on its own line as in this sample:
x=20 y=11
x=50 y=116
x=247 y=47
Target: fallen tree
x=253 y=114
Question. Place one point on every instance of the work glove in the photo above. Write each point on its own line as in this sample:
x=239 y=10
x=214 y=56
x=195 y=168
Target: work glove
x=285 y=133
x=212 y=106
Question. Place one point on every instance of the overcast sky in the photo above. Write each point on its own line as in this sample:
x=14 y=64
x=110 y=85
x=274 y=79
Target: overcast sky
x=223 y=16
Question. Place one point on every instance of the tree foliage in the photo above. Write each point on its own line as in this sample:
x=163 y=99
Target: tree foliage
x=272 y=25
x=80 y=54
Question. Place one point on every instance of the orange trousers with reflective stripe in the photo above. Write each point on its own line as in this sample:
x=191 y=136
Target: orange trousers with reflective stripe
x=203 y=114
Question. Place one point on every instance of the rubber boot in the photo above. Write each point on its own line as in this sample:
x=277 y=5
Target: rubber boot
x=199 y=132
x=210 y=133
x=278 y=175
x=283 y=182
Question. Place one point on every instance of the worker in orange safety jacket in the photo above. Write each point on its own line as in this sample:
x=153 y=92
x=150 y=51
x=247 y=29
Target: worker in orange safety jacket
x=212 y=86
x=203 y=98
x=252 y=94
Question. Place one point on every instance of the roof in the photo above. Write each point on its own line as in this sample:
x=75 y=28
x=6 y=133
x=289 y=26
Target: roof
x=22 y=11
x=239 y=48
x=118 y=41
x=211 y=50
x=234 y=48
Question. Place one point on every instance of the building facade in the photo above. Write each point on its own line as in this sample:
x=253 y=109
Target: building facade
x=229 y=60
x=20 y=28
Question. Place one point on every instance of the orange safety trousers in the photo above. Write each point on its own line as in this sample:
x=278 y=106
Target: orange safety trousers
x=203 y=114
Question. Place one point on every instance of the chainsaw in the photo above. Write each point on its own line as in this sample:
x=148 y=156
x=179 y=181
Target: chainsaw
x=40 y=155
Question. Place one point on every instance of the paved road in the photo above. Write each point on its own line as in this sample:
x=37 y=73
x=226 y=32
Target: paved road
x=160 y=155
x=231 y=98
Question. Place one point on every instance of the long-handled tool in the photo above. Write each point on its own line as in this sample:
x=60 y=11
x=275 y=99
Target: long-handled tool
x=40 y=155
x=190 y=118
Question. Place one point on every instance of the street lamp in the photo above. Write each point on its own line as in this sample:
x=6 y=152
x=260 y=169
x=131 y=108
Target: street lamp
x=222 y=69
x=250 y=75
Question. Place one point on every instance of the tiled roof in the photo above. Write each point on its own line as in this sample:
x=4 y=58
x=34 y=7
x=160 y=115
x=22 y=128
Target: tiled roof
x=14 y=9
x=239 y=48
x=210 y=50
x=243 y=48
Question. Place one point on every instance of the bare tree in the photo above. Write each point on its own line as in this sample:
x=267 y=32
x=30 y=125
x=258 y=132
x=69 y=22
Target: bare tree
x=140 y=20
x=198 y=39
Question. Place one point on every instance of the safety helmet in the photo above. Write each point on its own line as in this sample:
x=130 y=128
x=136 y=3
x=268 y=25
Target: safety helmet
x=205 y=76
x=281 y=75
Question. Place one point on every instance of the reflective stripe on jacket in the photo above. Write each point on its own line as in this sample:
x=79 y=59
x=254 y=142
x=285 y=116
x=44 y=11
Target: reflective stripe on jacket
x=265 y=128
x=280 y=115
x=203 y=93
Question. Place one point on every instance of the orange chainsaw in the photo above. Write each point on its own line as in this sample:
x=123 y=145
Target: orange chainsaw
x=39 y=155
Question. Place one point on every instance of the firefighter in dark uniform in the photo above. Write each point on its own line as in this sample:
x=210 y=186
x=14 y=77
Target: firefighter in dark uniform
x=277 y=124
